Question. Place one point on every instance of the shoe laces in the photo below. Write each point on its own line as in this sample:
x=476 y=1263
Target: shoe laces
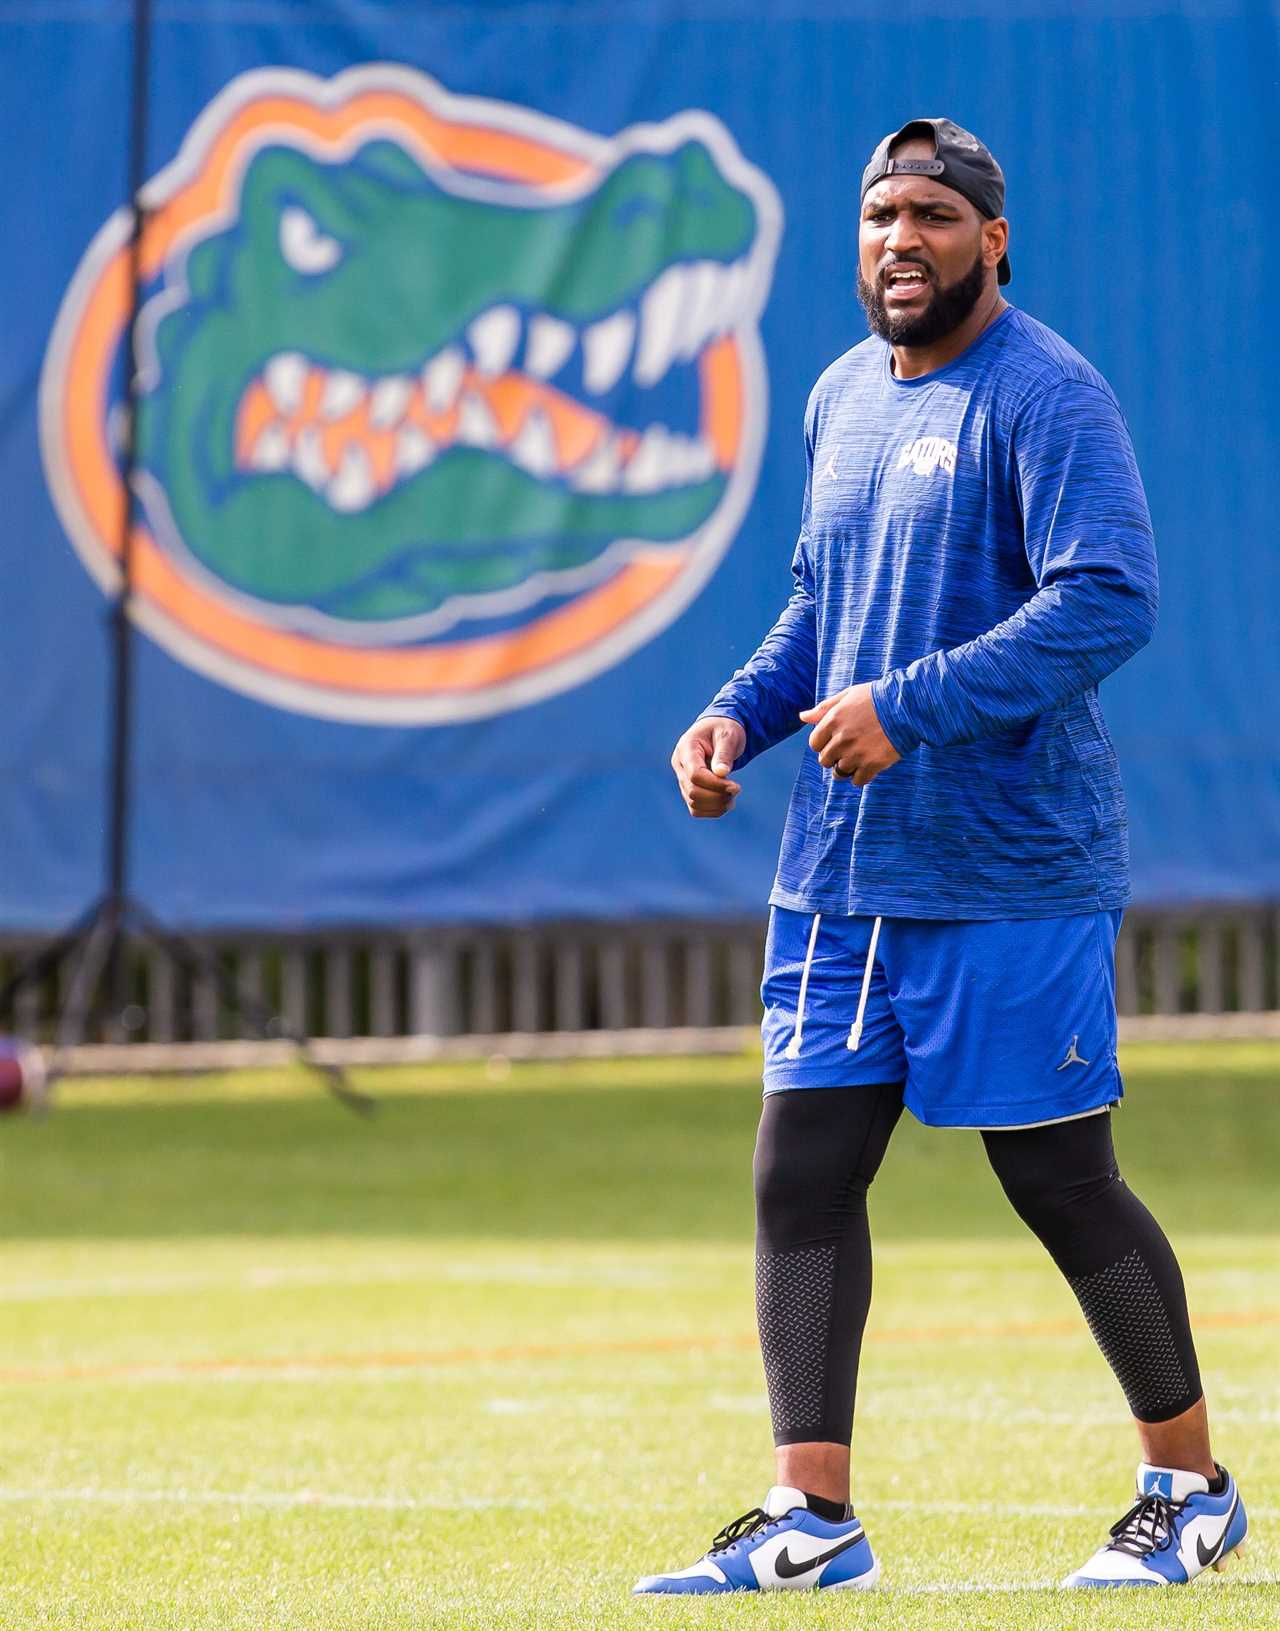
x=1146 y=1527
x=750 y=1523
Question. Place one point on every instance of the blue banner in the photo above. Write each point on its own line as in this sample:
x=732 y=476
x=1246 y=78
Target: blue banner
x=474 y=346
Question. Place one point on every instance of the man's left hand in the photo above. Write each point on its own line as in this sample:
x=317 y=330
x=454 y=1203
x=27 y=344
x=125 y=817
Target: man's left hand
x=847 y=736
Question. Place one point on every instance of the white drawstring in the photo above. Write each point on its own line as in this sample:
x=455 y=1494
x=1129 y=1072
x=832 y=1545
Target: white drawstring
x=855 y=1030
x=792 y=1050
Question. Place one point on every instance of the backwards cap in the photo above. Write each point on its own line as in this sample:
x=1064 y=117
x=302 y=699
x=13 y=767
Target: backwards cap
x=959 y=161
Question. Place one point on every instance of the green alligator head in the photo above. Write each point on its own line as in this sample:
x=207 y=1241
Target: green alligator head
x=383 y=389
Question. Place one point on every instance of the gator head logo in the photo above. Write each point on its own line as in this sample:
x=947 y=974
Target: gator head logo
x=444 y=405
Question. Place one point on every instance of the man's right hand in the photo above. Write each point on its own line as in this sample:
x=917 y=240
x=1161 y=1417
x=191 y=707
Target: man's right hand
x=702 y=760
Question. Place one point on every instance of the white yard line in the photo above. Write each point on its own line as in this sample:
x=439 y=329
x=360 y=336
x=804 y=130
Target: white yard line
x=273 y=1279
x=349 y=1500
x=938 y=1588
x=1025 y=1509
x=316 y=1500
x=966 y=1411
x=948 y=1588
x=274 y=1499
x=540 y=1399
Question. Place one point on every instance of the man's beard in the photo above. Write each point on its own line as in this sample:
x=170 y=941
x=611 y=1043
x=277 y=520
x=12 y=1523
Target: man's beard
x=944 y=313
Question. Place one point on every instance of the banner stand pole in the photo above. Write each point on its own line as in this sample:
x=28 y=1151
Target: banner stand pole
x=94 y=949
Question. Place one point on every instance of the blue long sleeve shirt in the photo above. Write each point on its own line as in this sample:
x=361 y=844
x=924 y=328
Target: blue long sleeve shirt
x=977 y=544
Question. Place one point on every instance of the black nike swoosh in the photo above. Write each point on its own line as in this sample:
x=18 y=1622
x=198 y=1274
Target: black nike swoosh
x=785 y=1569
x=1206 y=1554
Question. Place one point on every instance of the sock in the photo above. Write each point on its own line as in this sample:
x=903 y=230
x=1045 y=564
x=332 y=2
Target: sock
x=1217 y=1486
x=832 y=1511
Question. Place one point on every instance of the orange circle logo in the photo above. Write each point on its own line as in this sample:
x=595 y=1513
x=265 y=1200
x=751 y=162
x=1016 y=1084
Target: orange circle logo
x=444 y=406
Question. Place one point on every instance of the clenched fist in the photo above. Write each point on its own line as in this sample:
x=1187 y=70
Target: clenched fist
x=847 y=736
x=702 y=760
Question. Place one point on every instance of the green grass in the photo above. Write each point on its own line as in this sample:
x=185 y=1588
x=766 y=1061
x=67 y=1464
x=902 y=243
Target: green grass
x=482 y=1360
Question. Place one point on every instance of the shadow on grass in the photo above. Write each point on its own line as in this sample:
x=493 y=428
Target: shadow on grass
x=638 y=1162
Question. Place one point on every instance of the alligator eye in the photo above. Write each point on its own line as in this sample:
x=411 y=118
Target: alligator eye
x=303 y=245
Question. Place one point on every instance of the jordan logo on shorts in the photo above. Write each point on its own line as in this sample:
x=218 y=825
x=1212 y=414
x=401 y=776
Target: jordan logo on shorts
x=1073 y=1055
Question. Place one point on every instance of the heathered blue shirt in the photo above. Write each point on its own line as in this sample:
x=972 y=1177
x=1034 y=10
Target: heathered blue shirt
x=977 y=543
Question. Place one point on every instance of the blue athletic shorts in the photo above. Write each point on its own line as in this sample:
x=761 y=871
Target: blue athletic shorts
x=989 y=1024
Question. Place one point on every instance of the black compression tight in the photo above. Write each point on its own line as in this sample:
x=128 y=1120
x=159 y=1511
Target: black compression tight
x=1064 y=1184
x=818 y=1150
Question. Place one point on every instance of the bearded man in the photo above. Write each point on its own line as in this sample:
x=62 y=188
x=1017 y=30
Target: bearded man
x=975 y=556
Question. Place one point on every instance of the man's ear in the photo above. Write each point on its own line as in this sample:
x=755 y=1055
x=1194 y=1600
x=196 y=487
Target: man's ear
x=995 y=240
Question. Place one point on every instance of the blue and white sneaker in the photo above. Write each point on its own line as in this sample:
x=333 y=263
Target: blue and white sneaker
x=1174 y=1531
x=781 y=1546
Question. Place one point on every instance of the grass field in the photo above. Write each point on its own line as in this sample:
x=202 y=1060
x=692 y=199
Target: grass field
x=481 y=1361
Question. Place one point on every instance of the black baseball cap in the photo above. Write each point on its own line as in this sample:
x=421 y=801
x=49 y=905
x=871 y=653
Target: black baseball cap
x=960 y=162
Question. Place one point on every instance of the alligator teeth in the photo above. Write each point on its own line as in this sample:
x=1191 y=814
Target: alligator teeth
x=494 y=338
x=441 y=378
x=550 y=342
x=660 y=314
x=534 y=449
x=286 y=376
x=605 y=348
x=343 y=394
x=271 y=450
x=476 y=425
x=701 y=464
x=309 y=461
x=734 y=294
x=688 y=460
x=599 y=473
x=414 y=450
x=702 y=307
x=388 y=401
x=651 y=465
x=353 y=488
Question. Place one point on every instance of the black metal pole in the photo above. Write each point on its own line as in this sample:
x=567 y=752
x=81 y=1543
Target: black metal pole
x=121 y=628
x=93 y=950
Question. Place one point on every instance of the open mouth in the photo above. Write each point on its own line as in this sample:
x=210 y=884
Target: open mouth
x=902 y=283
x=517 y=385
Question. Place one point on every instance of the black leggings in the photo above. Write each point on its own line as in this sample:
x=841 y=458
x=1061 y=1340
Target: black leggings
x=816 y=1153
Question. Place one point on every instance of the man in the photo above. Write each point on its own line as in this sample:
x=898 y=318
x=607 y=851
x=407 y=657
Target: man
x=975 y=555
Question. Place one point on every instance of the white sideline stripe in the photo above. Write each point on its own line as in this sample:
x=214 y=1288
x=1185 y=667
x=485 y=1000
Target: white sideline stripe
x=1005 y=1509
x=133 y=1058
x=356 y=1370
x=276 y=1499
x=583 y=1404
x=343 y=1501
x=937 y=1588
x=153 y=1285
x=967 y=1414
x=1006 y=1588
x=294 y=1500
x=1026 y=1509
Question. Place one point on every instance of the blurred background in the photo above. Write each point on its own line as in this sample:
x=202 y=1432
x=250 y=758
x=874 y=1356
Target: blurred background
x=474 y=344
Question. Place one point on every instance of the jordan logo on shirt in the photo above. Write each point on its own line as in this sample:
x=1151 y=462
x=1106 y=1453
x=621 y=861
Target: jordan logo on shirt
x=927 y=454
x=829 y=469
x=1073 y=1055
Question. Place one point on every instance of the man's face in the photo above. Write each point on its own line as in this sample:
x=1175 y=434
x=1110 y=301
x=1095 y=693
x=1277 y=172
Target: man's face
x=922 y=260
